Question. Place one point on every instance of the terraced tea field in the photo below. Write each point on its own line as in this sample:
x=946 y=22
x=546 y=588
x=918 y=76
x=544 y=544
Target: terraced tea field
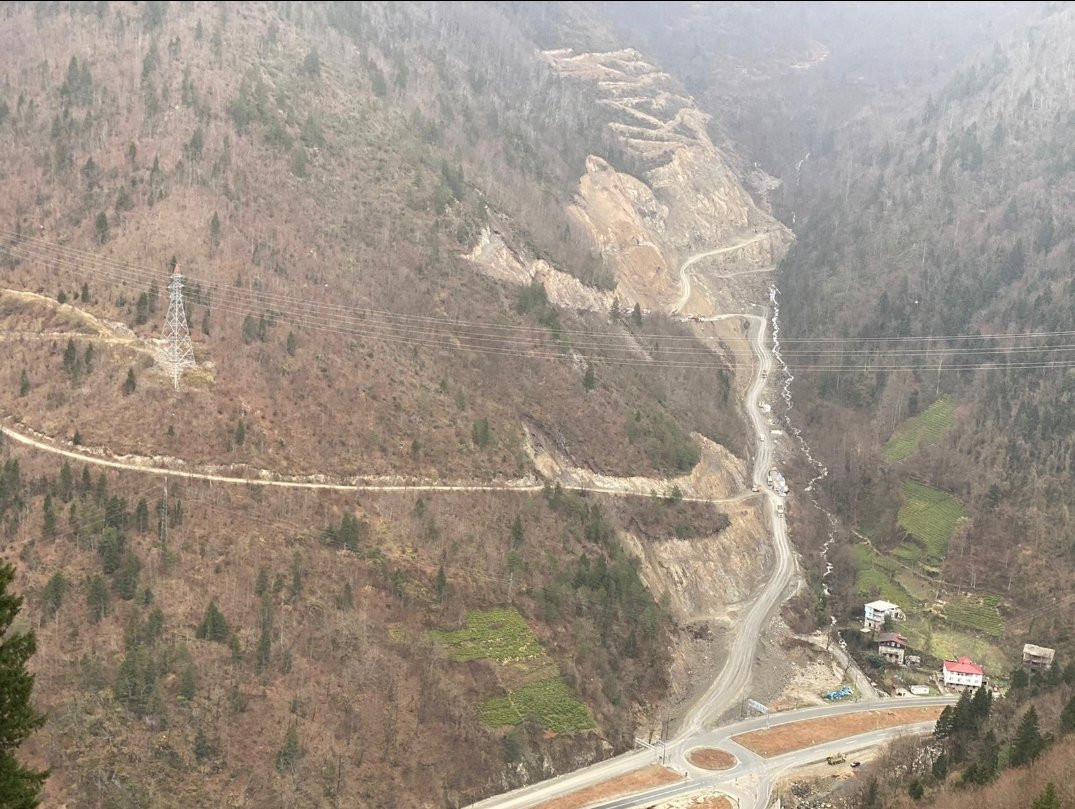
x=926 y=428
x=979 y=613
x=498 y=634
x=548 y=702
x=930 y=516
x=531 y=679
x=877 y=574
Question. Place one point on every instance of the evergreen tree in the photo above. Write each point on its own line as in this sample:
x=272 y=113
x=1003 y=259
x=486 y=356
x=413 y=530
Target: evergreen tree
x=588 y=380
x=70 y=359
x=20 y=786
x=980 y=704
x=136 y=681
x=292 y=344
x=126 y=580
x=67 y=482
x=24 y=383
x=98 y=601
x=984 y=768
x=100 y=228
x=129 y=384
x=203 y=747
x=1067 y=717
x=141 y=310
x=944 y=727
x=963 y=714
x=141 y=516
x=1048 y=799
x=48 y=528
x=53 y=594
x=636 y=316
x=1027 y=744
x=264 y=652
x=441 y=583
x=288 y=755
x=110 y=547
x=940 y=767
x=213 y=627
x=188 y=683
x=261 y=586
x=517 y=532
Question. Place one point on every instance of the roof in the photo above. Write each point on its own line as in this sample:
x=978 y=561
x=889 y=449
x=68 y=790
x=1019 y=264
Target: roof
x=963 y=666
x=892 y=637
x=1038 y=651
x=883 y=606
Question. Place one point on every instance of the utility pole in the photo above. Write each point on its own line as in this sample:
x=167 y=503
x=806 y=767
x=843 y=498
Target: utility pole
x=178 y=351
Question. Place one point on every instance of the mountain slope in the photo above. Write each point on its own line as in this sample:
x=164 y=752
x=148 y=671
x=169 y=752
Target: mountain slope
x=950 y=220
x=319 y=173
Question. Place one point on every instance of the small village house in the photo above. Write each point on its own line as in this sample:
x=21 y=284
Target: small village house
x=876 y=612
x=1038 y=658
x=892 y=646
x=962 y=673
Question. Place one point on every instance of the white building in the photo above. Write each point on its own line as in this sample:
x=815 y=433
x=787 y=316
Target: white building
x=876 y=611
x=963 y=673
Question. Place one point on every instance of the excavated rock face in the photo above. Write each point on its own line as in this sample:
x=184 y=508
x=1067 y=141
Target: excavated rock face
x=683 y=197
x=680 y=196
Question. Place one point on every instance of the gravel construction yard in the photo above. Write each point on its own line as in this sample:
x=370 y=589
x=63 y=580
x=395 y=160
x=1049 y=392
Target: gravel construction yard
x=645 y=778
x=797 y=735
x=709 y=758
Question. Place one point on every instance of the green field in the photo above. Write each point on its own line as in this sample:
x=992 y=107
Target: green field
x=498 y=634
x=925 y=428
x=877 y=574
x=549 y=702
x=930 y=516
x=975 y=612
x=535 y=689
x=951 y=644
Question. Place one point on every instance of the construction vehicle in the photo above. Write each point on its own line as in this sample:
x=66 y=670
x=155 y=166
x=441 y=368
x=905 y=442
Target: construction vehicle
x=836 y=758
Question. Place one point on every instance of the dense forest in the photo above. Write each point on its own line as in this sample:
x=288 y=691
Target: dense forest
x=920 y=239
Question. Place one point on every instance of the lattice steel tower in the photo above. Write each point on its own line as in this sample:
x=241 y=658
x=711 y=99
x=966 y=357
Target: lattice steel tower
x=178 y=351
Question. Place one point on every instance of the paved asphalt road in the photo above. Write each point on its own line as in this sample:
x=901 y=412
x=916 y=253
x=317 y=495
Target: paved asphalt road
x=730 y=685
x=750 y=782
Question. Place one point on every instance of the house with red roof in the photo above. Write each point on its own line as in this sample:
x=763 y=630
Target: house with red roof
x=962 y=673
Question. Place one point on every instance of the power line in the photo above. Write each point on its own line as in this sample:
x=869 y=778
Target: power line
x=73 y=258
x=435 y=331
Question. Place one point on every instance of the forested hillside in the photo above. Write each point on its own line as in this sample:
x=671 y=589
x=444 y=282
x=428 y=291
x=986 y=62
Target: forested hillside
x=318 y=172
x=923 y=238
x=298 y=162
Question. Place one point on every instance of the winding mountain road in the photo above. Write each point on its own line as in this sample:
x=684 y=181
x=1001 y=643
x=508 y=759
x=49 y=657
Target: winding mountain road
x=731 y=684
x=173 y=467
x=684 y=269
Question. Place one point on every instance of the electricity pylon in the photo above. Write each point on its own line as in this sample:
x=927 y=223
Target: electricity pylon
x=178 y=351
